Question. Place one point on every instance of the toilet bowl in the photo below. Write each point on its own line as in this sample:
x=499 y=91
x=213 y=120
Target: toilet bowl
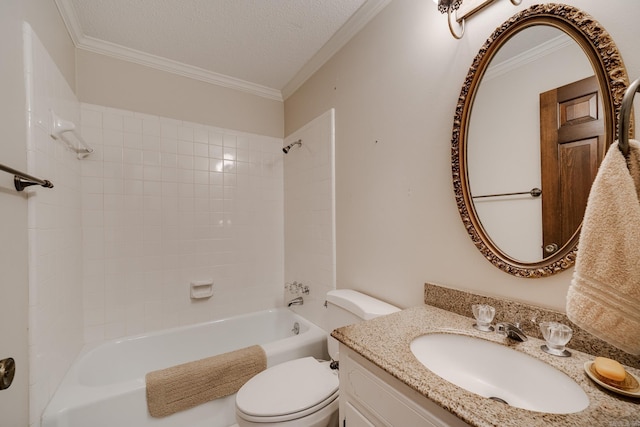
x=304 y=392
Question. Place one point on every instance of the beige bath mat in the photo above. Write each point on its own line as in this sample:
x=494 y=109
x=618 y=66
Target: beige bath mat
x=184 y=386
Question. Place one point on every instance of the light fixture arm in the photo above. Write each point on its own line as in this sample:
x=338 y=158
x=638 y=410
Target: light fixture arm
x=450 y=7
x=453 y=33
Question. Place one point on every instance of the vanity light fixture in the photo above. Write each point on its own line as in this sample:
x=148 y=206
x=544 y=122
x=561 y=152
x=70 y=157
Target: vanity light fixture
x=452 y=7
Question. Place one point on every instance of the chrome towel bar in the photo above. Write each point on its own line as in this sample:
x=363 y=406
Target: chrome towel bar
x=534 y=192
x=22 y=180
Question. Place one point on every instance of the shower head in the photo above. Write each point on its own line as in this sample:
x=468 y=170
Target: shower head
x=288 y=147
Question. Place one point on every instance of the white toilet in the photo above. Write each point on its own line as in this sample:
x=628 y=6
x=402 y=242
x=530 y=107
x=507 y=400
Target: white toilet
x=304 y=392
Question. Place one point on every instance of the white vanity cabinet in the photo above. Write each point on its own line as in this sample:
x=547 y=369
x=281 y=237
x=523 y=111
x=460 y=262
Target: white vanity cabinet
x=370 y=397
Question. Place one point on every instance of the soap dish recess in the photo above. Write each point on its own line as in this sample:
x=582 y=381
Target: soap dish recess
x=201 y=289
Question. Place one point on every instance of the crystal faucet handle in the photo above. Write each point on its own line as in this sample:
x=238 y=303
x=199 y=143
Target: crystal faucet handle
x=484 y=316
x=557 y=335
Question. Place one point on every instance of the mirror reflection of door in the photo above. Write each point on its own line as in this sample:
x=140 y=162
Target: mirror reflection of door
x=571 y=148
x=503 y=141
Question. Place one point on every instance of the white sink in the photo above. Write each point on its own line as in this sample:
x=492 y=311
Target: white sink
x=495 y=371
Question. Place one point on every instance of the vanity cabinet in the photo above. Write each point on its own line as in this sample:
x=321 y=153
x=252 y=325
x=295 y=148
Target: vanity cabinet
x=370 y=397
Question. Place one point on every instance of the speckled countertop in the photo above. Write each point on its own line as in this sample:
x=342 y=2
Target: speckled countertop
x=385 y=341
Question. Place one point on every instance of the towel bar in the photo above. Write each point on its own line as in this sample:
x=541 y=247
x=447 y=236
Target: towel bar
x=22 y=180
x=534 y=192
x=625 y=114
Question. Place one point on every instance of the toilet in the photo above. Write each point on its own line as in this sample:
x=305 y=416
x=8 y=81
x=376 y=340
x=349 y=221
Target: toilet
x=304 y=392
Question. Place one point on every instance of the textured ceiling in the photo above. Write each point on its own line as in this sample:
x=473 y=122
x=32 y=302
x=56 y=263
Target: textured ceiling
x=262 y=42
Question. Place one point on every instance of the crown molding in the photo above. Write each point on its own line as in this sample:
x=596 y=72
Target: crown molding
x=528 y=56
x=124 y=53
x=70 y=20
x=358 y=20
x=113 y=50
x=366 y=12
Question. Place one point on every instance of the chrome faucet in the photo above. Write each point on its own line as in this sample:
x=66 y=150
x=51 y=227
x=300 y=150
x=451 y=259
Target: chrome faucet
x=510 y=330
x=296 y=301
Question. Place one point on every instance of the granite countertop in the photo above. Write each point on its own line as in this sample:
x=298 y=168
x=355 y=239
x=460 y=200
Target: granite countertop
x=385 y=341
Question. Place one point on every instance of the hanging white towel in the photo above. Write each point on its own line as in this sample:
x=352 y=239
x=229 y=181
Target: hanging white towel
x=604 y=296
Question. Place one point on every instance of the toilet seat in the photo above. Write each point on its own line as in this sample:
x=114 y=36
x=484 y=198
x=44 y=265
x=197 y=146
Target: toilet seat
x=288 y=391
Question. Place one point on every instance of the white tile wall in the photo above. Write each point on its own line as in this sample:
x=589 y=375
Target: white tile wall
x=309 y=188
x=166 y=202
x=55 y=235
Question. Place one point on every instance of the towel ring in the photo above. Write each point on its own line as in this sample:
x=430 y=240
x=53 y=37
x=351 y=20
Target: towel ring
x=625 y=114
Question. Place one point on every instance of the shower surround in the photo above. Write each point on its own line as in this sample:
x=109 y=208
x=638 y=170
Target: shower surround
x=166 y=203
x=114 y=246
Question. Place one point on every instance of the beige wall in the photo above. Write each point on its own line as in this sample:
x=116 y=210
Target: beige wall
x=44 y=18
x=394 y=87
x=111 y=82
x=13 y=211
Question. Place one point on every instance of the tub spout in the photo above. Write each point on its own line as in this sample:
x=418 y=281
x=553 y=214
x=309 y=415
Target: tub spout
x=296 y=301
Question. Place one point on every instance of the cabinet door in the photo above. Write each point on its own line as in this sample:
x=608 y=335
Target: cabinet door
x=371 y=397
x=354 y=418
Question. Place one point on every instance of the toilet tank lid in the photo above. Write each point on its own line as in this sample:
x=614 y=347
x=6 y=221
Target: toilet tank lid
x=361 y=305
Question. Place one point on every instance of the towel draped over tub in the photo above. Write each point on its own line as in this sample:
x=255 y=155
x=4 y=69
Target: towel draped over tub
x=184 y=386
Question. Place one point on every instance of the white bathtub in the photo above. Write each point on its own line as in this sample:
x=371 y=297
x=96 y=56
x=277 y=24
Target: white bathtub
x=106 y=388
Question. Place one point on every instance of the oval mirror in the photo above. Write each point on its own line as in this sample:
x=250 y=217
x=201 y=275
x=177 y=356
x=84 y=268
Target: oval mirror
x=535 y=117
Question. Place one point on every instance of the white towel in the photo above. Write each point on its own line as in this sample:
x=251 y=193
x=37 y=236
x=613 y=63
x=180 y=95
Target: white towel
x=604 y=296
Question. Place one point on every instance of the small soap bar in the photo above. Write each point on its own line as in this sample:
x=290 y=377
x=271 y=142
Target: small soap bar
x=609 y=368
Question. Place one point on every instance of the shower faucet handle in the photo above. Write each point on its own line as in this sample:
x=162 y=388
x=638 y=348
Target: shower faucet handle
x=291 y=287
x=296 y=287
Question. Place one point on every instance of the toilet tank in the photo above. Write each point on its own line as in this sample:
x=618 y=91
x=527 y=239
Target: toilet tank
x=346 y=306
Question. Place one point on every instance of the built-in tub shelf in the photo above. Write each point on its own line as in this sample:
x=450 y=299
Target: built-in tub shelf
x=59 y=130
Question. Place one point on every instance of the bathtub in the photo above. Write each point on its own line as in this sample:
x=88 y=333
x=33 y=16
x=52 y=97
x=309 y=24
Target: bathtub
x=105 y=387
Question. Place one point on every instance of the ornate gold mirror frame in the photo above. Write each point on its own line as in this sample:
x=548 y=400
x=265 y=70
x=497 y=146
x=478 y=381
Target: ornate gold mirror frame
x=609 y=69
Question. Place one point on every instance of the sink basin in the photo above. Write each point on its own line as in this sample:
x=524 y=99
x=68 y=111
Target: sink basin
x=495 y=371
